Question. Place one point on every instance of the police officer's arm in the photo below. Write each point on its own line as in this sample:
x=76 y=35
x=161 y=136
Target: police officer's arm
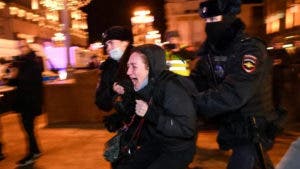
x=104 y=92
x=239 y=85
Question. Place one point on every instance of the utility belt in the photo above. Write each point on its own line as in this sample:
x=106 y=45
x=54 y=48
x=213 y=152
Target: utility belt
x=238 y=130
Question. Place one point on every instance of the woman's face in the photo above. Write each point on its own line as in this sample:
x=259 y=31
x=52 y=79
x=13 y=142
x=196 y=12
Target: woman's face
x=138 y=70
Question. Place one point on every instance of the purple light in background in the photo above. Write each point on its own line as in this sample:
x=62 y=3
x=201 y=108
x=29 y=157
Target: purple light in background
x=57 y=57
x=72 y=55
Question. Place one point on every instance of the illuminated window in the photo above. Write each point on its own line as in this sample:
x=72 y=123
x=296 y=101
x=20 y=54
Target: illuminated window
x=2 y=5
x=297 y=16
x=273 y=22
x=34 y=4
x=292 y=17
x=273 y=26
x=268 y=28
x=289 y=20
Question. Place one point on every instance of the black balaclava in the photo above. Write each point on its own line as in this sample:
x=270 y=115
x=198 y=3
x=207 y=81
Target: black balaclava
x=219 y=31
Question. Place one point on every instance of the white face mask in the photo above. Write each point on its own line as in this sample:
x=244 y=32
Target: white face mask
x=116 y=53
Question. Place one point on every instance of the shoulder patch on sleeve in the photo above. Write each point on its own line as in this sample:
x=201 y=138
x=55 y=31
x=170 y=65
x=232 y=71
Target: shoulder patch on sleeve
x=249 y=63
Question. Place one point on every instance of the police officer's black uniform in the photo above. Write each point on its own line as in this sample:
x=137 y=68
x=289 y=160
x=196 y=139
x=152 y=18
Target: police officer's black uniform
x=115 y=71
x=234 y=77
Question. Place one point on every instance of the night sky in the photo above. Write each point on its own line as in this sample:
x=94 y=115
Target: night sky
x=104 y=14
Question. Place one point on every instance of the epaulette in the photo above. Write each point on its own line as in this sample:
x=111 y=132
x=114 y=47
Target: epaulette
x=246 y=38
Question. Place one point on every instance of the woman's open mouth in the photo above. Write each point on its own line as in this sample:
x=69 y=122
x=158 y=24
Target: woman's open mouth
x=134 y=81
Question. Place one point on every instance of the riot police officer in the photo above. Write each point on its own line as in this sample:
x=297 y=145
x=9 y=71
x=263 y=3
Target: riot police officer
x=234 y=80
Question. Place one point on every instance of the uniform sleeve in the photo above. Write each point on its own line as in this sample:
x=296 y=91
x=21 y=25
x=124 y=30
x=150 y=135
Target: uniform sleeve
x=104 y=91
x=178 y=116
x=240 y=84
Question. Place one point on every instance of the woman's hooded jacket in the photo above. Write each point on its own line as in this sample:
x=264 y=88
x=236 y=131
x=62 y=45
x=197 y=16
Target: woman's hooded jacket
x=171 y=116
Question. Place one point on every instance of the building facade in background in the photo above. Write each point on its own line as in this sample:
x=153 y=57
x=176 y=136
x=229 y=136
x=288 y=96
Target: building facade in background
x=182 y=16
x=283 y=23
x=283 y=36
x=34 y=21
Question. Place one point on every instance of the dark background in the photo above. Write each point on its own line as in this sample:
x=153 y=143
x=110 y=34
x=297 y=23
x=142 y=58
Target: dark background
x=104 y=14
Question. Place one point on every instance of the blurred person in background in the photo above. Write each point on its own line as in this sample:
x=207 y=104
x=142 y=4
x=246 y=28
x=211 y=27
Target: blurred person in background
x=2 y=157
x=4 y=106
x=176 y=49
x=178 y=54
x=234 y=77
x=26 y=74
x=3 y=70
x=94 y=62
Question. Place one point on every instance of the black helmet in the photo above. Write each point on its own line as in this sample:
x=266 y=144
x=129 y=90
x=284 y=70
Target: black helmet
x=211 y=8
x=118 y=33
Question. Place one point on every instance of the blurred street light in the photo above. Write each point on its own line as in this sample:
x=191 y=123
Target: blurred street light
x=69 y=9
x=142 y=27
x=153 y=37
x=2 y=5
x=63 y=4
x=142 y=17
